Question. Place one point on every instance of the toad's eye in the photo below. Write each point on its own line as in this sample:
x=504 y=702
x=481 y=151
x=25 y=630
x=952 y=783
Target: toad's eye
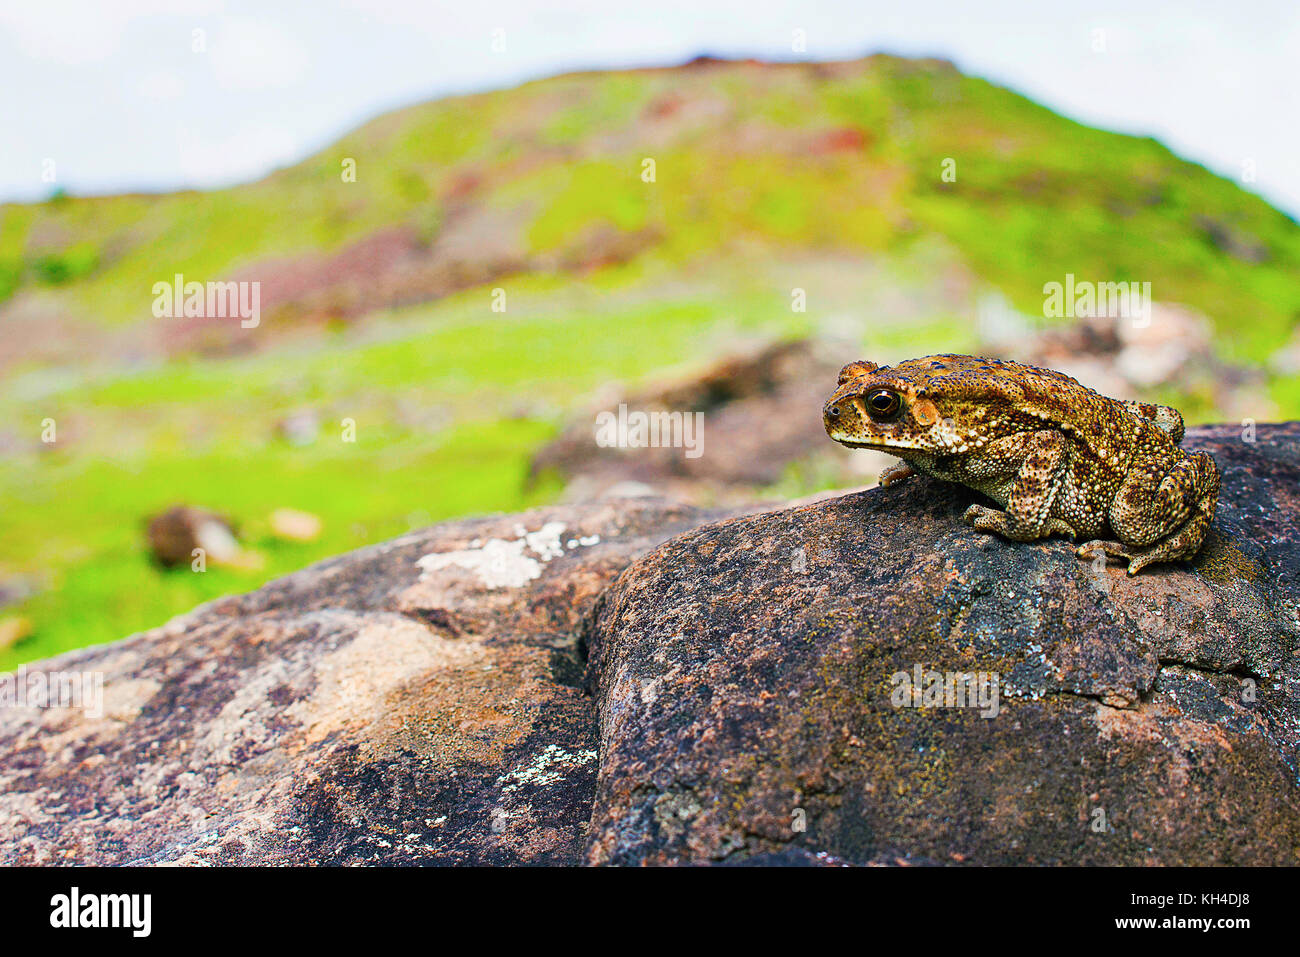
x=883 y=405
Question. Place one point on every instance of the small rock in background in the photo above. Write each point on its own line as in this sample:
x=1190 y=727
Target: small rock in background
x=418 y=519
x=1234 y=240
x=1172 y=347
x=295 y=525
x=176 y=533
x=1158 y=350
x=13 y=590
x=630 y=490
x=299 y=429
x=421 y=417
x=758 y=411
x=1286 y=361
x=13 y=629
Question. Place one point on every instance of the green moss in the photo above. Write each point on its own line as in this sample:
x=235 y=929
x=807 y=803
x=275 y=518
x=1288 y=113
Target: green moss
x=1224 y=564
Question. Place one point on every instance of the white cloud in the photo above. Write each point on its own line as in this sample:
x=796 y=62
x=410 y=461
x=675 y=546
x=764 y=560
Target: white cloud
x=253 y=54
x=162 y=85
x=77 y=32
x=247 y=153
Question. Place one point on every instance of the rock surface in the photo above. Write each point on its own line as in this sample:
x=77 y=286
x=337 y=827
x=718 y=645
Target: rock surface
x=428 y=701
x=413 y=702
x=744 y=673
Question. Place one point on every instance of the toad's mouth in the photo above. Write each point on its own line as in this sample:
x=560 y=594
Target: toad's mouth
x=878 y=444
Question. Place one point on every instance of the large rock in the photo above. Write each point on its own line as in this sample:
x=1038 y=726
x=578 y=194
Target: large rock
x=744 y=673
x=425 y=701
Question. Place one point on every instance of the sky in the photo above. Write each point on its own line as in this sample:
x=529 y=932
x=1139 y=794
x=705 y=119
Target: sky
x=102 y=96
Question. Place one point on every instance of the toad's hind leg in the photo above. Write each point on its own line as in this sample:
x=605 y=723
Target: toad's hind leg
x=1184 y=502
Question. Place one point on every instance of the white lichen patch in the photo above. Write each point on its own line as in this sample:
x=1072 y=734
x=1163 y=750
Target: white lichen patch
x=506 y=563
x=549 y=765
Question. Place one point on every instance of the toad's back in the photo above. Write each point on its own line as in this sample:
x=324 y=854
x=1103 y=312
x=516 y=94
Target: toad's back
x=1014 y=396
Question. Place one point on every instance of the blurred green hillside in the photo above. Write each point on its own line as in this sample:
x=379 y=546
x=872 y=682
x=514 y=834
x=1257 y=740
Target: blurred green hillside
x=378 y=296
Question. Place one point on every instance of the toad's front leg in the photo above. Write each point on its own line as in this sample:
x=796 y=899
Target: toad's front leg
x=1029 y=502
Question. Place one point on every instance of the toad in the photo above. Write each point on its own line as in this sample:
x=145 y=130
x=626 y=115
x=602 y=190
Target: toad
x=1057 y=457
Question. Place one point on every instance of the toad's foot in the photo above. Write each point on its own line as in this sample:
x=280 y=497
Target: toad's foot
x=895 y=473
x=984 y=519
x=1138 y=558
